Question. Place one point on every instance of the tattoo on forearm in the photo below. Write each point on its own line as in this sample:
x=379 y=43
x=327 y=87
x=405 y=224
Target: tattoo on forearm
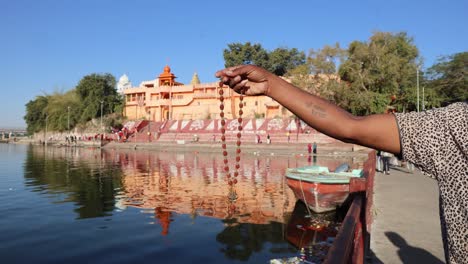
x=316 y=110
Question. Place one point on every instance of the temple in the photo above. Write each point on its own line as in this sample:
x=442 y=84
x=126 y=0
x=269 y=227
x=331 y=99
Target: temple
x=166 y=99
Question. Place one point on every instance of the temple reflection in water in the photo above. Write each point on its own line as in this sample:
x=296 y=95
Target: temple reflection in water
x=190 y=183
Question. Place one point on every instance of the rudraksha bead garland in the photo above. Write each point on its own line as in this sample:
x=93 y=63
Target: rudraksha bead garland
x=231 y=178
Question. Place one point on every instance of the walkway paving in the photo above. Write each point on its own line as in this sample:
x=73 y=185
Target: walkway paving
x=406 y=226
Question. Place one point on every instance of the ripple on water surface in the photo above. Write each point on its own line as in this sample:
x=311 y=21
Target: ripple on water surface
x=75 y=205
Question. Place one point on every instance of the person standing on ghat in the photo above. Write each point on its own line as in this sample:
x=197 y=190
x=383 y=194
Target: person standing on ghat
x=436 y=141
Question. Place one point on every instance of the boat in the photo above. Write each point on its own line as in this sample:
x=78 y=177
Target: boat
x=320 y=189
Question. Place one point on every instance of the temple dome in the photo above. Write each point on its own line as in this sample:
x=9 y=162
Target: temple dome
x=123 y=79
x=195 y=79
x=166 y=77
x=123 y=83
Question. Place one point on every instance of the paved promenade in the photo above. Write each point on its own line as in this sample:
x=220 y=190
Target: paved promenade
x=406 y=225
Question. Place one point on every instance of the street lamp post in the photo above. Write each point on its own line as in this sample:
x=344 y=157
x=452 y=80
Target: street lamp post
x=68 y=122
x=423 y=100
x=45 y=135
x=417 y=86
x=149 y=127
x=102 y=103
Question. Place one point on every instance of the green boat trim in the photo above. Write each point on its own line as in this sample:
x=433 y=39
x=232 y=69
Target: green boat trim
x=321 y=175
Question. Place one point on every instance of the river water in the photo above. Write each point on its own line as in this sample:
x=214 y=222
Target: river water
x=87 y=205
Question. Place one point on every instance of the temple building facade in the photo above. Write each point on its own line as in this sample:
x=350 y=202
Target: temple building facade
x=166 y=99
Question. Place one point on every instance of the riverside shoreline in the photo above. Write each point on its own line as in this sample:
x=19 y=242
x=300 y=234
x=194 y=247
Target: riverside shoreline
x=213 y=147
x=292 y=148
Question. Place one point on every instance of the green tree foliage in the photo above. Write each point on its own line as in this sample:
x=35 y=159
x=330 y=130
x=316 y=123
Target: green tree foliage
x=378 y=69
x=325 y=60
x=449 y=78
x=54 y=109
x=36 y=114
x=238 y=53
x=318 y=74
x=94 y=89
x=282 y=60
x=59 y=115
x=301 y=77
x=61 y=111
x=279 y=61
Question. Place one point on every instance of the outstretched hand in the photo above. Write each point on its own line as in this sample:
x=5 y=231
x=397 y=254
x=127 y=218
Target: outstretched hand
x=246 y=79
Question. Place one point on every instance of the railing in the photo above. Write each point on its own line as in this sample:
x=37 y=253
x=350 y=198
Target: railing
x=175 y=102
x=203 y=85
x=205 y=95
x=349 y=243
x=184 y=101
x=352 y=242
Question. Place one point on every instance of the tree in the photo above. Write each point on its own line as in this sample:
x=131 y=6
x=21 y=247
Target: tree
x=449 y=79
x=54 y=108
x=247 y=53
x=318 y=74
x=324 y=61
x=94 y=89
x=77 y=106
x=279 y=61
x=35 y=114
x=57 y=110
x=378 y=69
x=282 y=60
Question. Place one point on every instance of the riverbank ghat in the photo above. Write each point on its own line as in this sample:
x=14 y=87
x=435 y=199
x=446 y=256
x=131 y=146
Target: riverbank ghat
x=253 y=130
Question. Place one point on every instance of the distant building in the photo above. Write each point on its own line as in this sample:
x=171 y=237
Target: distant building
x=166 y=99
x=123 y=84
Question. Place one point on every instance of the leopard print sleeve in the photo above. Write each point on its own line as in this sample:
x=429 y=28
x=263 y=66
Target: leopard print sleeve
x=434 y=138
x=437 y=142
x=418 y=138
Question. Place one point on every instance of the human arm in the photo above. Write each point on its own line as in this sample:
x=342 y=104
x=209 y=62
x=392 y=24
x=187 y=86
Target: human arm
x=374 y=131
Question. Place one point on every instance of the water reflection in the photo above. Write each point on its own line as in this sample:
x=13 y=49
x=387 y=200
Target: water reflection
x=240 y=241
x=190 y=183
x=169 y=187
x=74 y=175
x=194 y=184
x=313 y=234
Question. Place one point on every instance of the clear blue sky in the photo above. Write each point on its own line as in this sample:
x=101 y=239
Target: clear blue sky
x=49 y=46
